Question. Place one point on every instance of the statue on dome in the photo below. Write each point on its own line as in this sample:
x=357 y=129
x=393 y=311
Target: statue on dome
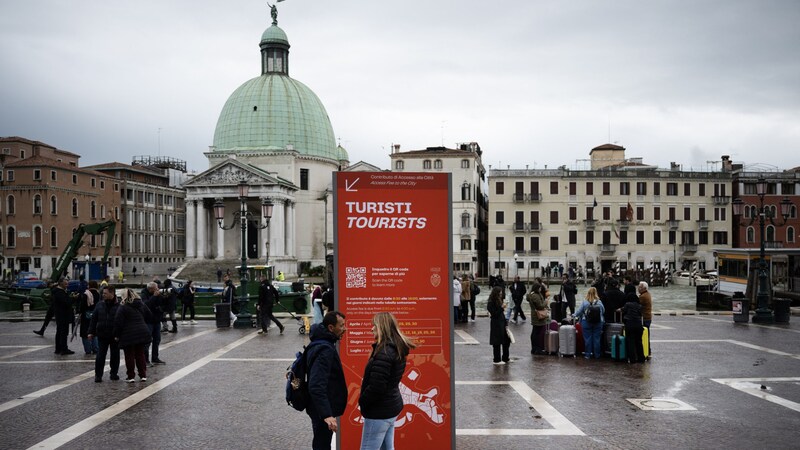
x=274 y=12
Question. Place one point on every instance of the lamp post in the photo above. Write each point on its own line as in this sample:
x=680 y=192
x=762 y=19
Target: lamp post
x=763 y=313
x=244 y=318
x=516 y=267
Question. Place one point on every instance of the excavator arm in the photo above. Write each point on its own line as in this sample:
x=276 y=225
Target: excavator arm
x=71 y=251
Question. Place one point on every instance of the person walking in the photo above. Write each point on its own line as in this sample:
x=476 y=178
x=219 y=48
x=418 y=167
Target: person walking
x=187 y=302
x=498 y=336
x=380 y=400
x=88 y=300
x=517 y=294
x=540 y=318
x=326 y=384
x=169 y=305
x=64 y=315
x=456 y=300
x=48 y=316
x=152 y=298
x=229 y=297
x=267 y=297
x=316 y=302
x=101 y=327
x=632 y=317
x=646 y=300
x=132 y=334
x=591 y=314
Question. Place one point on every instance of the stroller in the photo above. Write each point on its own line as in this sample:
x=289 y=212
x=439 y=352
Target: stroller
x=303 y=322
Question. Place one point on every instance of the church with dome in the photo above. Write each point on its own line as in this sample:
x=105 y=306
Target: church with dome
x=274 y=136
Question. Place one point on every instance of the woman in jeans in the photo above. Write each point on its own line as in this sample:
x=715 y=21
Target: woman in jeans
x=591 y=323
x=380 y=399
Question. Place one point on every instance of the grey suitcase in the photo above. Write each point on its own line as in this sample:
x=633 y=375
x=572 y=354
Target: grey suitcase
x=609 y=331
x=567 y=336
x=551 y=342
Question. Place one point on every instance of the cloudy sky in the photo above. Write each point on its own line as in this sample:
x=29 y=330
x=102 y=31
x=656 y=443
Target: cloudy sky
x=535 y=82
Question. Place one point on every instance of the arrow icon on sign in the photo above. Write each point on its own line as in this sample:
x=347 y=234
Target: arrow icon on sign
x=349 y=187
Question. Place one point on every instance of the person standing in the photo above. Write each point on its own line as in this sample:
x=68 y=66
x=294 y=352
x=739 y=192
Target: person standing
x=316 y=302
x=456 y=300
x=169 y=306
x=267 y=297
x=229 y=297
x=630 y=286
x=517 y=294
x=632 y=317
x=380 y=398
x=88 y=300
x=219 y=275
x=187 y=301
x=64 y=315
x=132 y=334
x=281 y=277
x=466 y=296
x=539 y=318
x=614 y=299
x=498 y=336
x=101 y=327
x=591 y=314
x=647 y=310
x=152 y=300
x=326 y=384
x=568 y=292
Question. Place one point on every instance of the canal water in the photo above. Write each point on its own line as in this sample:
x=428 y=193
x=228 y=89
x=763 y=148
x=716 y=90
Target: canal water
x=668 y=298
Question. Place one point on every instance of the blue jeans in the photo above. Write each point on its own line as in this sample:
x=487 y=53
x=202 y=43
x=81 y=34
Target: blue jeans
x=378 y=434
x=591 y=338
x=89 y=346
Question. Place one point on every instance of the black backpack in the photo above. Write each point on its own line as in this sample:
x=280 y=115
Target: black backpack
x=474 y=289
x=593 y=313
x=297 y=395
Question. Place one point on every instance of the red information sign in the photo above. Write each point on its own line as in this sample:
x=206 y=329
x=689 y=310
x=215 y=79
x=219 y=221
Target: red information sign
x=393 y=252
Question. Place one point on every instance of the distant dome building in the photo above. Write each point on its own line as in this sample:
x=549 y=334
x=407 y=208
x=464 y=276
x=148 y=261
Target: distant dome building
x=273 y=133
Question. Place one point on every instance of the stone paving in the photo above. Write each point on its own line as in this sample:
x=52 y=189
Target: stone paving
x=223 y=388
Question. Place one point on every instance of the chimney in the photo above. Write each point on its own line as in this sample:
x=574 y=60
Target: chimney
x=727 y=164
x=675 y=167
x=395 y=148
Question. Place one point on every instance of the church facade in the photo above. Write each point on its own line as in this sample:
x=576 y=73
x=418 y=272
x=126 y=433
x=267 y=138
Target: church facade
x=275 y=135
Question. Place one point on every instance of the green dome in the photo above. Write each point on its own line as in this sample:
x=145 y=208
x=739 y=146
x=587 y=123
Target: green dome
x=274 y=35
x=271 y=112
x=343 y=156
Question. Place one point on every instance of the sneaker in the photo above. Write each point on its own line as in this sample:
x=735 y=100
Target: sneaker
x=194 y=322
x=39 y=332
x=282 y=328
x=184 y=323
x=260 y=331
x=143 y=379
x=498 y=363
x=67 y=352
x=158 y=361
x=129 y=380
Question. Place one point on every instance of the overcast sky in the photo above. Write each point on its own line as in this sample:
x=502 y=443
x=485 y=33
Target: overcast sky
x=537 y=83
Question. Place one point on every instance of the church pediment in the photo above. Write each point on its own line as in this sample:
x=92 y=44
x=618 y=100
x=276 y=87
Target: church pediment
x=231 y=172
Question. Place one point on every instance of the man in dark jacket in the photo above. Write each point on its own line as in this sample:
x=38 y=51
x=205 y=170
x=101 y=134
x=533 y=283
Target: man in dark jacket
x=326 y=384
x=151 y=295
x=267 y=297
x=102 y=326
x=614 y=299
x=517 y=294
x=64 y=315
x=568 y=292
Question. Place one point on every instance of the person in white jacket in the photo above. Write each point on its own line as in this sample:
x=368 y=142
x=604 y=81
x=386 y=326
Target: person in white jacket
x=456 y=299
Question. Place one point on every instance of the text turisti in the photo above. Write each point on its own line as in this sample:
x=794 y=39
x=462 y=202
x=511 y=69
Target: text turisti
x=392 y=215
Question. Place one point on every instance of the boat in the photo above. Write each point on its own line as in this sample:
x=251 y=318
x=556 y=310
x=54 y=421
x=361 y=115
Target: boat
x=685 y=278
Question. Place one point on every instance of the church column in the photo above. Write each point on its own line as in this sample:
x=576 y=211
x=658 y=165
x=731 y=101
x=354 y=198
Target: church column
x=277 y=231
x=202 y=229
x=263 y=249
x=220 y=242
x=290 y=229
x=190 y=228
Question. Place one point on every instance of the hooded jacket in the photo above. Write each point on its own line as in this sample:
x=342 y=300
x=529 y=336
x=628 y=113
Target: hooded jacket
x=380 y=389
x=326 y=384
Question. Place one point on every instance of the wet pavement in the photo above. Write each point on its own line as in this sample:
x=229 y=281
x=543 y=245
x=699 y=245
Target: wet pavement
x=223 y=388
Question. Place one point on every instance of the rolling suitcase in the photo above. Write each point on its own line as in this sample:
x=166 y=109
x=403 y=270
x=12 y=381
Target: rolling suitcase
x=609 y=331
x=618 y=348
x=550 y=342
x=566 y=340
x=580 y=344
x=556 y=311
x=646 y=342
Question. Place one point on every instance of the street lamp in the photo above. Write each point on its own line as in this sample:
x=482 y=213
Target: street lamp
x=244 y=318
x=763 y=313
x=516 y=267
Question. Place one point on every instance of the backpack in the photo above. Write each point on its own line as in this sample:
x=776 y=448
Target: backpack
x=593 y=313
x=475 y=290
x=297 y=395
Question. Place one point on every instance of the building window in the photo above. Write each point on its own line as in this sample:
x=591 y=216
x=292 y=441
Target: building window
x=554 y=243
x=720 y=238
x=11 y=206
x=702 y=237
x=437 y=164
x=687 y=213
x=554 y=188
x=640 y=237
x=623 y=237
x=37 y=204
x=11 y=237
x=590 y=236
x=399 y=165
x=553 y=216
x=102 y=184
x=465 y=220
x=789 y=234
x=606 y=188
x=37 y=262
x=573 y=213
x=10 y=175
x=500 y=188
x=466 y=244
x=687 y=189
x=74 y=179
x=53 y=237
x=93 y=182
x=465 y=164
x=102 y=211
x=74 y=207
x=116 y=213
x=701 y=189
x=22 y=154
x=656 y=188
x=426 y=164
x=37 y=237
x=535 y=243
x=93 y=210
x=519 y=244
x=573 y=188
x=589 y=188
x=606 y=213
x=53 y=205
x=116 y=187
x=770 y=233
x=640 y=213
x=656 y=213
x=53 y=175
x=656 y=237
x=641 y=188
x=499 y=243
x=672 y=189
x=573 y=237
x=624 y=188
x=499 y=217
x=465 y=191
x=37 y=174
x=303 y=179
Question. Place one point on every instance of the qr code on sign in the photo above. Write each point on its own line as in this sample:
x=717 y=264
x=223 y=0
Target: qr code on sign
x=356 y=277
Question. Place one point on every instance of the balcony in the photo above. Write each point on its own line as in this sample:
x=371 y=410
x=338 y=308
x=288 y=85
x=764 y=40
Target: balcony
x=673 y=224
x=623 y=224
x=535 y=227
x=688 y=248
x=519 y=227
x=608 y=248
x=590 y=224
x=535 y=251
x=773 y=244
x=534 y=198
x=518 y=197
x=721 y=199
x=703 y=224
x=520 y=252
